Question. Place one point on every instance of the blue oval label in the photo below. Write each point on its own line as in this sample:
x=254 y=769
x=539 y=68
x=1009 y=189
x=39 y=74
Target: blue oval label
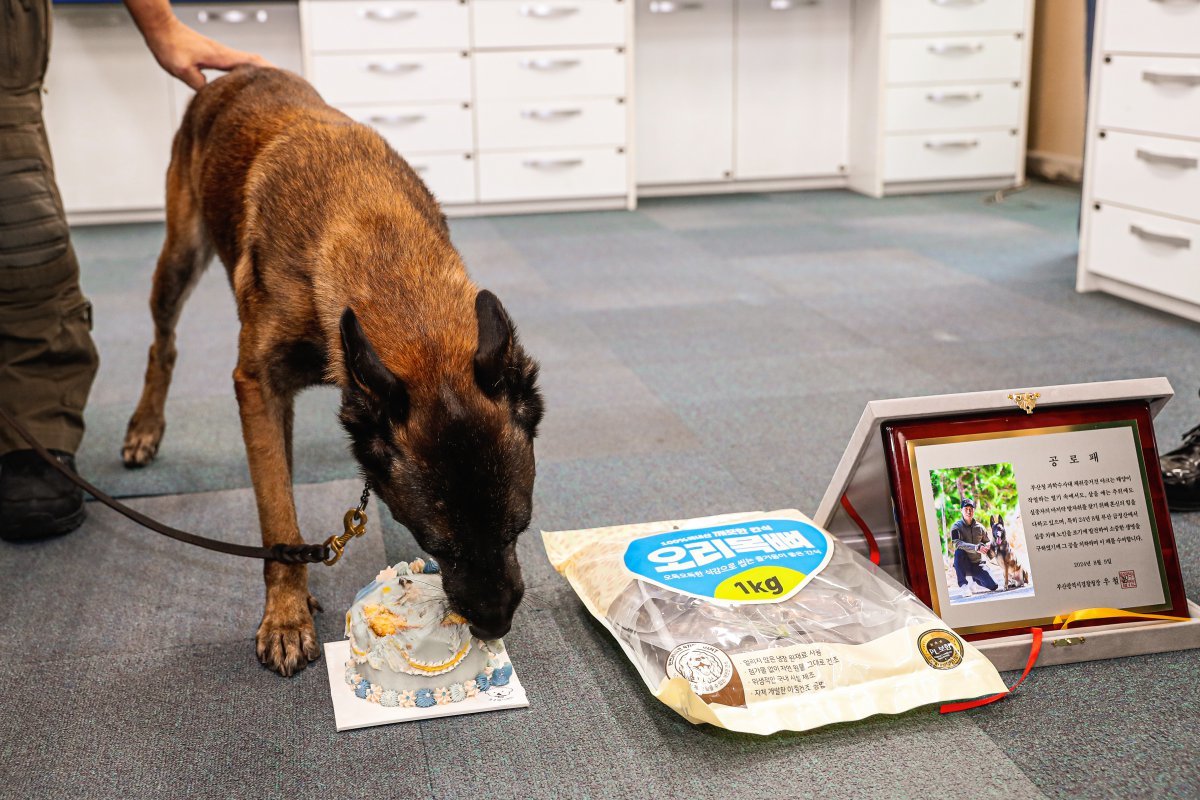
x=758 y=561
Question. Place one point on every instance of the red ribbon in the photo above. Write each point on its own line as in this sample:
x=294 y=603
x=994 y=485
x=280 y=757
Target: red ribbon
x=1034 y=650
x=871 y=546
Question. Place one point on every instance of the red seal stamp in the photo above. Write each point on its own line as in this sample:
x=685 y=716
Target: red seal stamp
x=1128 y=579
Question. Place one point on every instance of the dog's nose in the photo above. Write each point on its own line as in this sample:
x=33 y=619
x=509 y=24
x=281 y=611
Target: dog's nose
x=489 y=633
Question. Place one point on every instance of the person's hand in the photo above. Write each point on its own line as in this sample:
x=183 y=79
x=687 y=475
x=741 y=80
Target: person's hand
x=184 y=53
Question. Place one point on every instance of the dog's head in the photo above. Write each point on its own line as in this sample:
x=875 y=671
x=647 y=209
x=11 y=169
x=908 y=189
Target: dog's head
x=456 y=466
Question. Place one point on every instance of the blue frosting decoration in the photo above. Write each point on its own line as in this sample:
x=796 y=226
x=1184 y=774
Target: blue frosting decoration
x=366 y=590
x=425 y=698
x=431 y=567
x=500 y=676
x=482 y=682
x=362 y=689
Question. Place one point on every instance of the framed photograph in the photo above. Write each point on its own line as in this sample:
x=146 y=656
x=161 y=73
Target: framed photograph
x=1008 y=519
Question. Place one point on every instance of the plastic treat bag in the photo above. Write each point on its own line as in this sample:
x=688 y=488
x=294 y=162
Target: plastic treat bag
x=764 y=622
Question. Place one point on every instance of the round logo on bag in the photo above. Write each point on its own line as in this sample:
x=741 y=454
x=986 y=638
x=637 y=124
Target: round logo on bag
x=705 y=667
x=941 y=649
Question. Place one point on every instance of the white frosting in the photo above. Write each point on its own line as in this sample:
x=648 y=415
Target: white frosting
x=404 y=637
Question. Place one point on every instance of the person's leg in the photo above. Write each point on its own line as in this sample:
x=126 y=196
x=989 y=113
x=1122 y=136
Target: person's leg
x=960 y=566
x=983 y=577
x=1181 y=473
x=47 y=358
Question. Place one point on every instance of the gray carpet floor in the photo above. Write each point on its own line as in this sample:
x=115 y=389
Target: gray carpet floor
x=699 y=356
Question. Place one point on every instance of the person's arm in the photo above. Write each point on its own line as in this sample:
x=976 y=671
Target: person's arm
x=179 y=49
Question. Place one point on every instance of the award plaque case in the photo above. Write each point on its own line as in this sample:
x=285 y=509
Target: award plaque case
x=861 y=483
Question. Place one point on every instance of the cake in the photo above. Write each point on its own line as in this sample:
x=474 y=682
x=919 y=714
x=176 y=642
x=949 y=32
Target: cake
x=408 y=648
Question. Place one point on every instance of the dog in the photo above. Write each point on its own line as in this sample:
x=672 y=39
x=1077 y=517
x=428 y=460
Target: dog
x=1015 y=576
x=343 y=271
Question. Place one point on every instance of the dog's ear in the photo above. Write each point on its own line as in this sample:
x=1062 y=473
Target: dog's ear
x=367 y=373
x=495 y=343
x=502 y=365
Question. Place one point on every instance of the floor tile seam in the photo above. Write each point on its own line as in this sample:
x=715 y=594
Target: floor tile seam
x=1002 y=749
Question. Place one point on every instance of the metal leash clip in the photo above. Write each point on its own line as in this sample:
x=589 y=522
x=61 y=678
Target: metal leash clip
x=355 y=524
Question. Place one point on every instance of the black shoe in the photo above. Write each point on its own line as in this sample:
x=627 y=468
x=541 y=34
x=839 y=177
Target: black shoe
x=36 y=502
x=1181 y=473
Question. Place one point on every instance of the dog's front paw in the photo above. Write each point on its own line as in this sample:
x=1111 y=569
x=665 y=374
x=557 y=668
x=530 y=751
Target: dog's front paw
x=141 y=441
x=287 y=642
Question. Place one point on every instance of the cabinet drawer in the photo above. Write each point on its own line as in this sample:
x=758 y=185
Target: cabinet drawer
x=411 y=129
x=392 y=78
x=985 y=105
x=1157 y=95
x=950 y=156
x=550 y=174
x=270 y=29
x=1148 y=171
x=962 y=58
x=955 y=16
x=1153 y=252
x=511 y=124
x=358 y=25
x=541 y=74
x=553 y=23
x=1151 y=26
x=451 y=178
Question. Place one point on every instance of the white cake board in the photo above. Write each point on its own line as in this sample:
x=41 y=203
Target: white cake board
x=862 y=475
x=350 y=712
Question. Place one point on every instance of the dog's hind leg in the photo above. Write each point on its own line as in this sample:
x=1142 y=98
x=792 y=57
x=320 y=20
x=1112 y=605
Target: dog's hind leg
x=186 y=252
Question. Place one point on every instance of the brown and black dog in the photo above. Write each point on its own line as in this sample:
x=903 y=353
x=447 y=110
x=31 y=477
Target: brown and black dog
x=343 y=271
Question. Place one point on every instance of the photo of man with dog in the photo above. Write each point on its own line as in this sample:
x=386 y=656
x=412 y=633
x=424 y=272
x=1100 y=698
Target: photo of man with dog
x=982 y=536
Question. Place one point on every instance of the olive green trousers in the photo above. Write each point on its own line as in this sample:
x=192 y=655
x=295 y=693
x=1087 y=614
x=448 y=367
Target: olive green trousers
x=47 y=357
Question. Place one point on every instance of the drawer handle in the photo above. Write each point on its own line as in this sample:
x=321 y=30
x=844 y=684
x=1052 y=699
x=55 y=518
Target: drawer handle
x=550 y=113
x=955 y=48
x=543 y=11
x=1183 y=162
x=552 y=163
x=671 y=6
x=1182 y=242
x=419 y=168
x=395 y=119
x=393 y=68
x=1187 y=79
x=952 y=144
x=388 y=14
x=233 y=16
x=548 y=64
x=788 y=5
x=953 y=97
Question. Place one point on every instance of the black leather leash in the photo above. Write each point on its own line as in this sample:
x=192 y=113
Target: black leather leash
x=327 y=553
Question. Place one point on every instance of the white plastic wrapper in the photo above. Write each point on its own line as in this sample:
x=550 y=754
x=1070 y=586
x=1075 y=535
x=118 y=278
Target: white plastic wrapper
x=763 y=622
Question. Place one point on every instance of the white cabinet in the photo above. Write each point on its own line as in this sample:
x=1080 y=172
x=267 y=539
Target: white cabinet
x=108 y=113
x=111 y=111
x=741 y=91
x=403 y=67
x=684 y=94
x=491 y=101
x=940 y=92
x=1140 y=226
x=552 y=121
x=792 y=88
